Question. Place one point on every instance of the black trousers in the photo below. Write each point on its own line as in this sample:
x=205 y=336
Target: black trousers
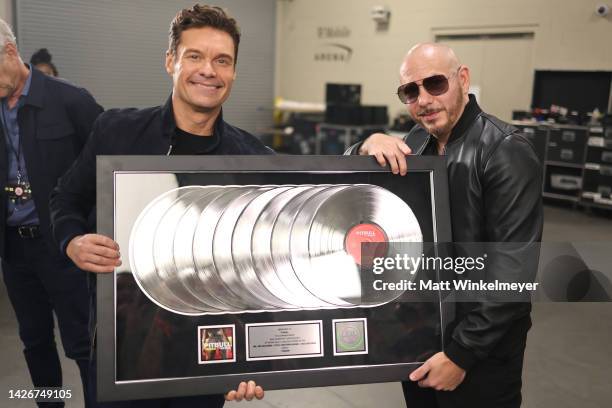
x=39 y=281
x=493 y=382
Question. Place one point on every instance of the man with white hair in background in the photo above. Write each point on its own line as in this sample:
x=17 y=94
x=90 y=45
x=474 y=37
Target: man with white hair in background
x=495 y=181
x=45 y=123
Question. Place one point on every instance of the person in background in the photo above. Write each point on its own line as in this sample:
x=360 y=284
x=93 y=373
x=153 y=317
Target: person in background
x=45 y=123
x=41 y=60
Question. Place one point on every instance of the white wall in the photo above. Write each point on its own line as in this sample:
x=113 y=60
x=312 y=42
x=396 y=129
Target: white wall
x=6 y=11
x=115 y=49
x=567 y=36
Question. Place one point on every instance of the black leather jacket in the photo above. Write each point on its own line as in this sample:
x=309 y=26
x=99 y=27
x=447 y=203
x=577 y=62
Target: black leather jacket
x=495 y=181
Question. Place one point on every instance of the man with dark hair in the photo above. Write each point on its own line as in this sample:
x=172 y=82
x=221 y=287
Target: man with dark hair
x=45 y=123
x=495 y=181
x=203 y=16
x=41 y=60
x=201 y=60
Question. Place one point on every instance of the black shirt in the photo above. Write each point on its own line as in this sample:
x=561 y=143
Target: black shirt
x=186 y=143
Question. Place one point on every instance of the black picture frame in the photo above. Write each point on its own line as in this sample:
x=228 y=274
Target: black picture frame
x=109 y=388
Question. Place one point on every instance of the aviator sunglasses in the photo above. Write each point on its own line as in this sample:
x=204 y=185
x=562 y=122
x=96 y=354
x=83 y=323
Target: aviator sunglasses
x=435 y=85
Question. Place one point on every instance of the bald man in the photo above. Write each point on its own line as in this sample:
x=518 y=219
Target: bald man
x=495 y=182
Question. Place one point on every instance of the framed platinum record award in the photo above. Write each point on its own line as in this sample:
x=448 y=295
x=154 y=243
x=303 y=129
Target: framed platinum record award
x=264 y=268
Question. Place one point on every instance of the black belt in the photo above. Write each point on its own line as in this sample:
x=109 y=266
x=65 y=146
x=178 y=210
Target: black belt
x=27 y=231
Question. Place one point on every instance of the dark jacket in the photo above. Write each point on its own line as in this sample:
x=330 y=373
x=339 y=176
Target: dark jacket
x=495 y=181
x=54 y=124
x=149 y=131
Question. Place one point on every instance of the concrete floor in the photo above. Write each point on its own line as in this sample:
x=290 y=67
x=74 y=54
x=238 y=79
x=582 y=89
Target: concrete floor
x=568 y=362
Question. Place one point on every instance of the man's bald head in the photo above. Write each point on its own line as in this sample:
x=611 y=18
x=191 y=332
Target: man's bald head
x=432 y=54
x=438 y=84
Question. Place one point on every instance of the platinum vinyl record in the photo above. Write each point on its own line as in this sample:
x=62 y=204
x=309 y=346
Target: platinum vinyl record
x=141 y=252
x=203 y=255
x=218 y=249
x=163 y=254
x=281 y=242
x=222 y=249
x=182 y=249
x=265 y=267
x=326 y=242
x=242 y=242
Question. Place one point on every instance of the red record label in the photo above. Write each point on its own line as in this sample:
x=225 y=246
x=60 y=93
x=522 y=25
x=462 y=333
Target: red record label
x=361 y=233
